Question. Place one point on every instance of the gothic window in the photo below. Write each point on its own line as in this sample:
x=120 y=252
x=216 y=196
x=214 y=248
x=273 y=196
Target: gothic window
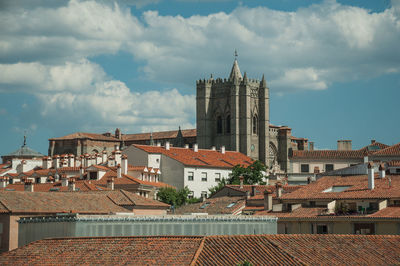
x=255 y=124
x=219 y=125
x=273 y=154
x=228 y=124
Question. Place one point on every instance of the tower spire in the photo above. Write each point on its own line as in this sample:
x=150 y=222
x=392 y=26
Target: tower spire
x=235 y=72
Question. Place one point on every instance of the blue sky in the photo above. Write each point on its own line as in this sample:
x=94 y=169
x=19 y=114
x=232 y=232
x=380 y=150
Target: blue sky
x=66 y=66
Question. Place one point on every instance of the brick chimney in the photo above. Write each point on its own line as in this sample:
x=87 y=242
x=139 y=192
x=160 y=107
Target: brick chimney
x=110 y=183
x=371 y=176
x=28 y=186
x=278 y=187
x=344 y=145
x=119 y=171
x=267 y=200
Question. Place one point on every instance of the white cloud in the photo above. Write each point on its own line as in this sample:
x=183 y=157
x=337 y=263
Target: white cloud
x=46 y=52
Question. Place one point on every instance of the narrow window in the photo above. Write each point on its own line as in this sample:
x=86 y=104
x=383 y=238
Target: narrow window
x=204 y=177
x=255 y=126
x=219 y=125
x=190 y=176
x=328 y=167
x=217 y=177
x=228 y=124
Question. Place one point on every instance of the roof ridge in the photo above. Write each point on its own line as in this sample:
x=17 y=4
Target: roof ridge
x=5 y=206
x=283 y=249
x=123 y=192
x=198 y=252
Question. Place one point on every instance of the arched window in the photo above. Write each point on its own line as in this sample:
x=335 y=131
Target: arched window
x=228 y=124
x=219 y=125
x=255 y=124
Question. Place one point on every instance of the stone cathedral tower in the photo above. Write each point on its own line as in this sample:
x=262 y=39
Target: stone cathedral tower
x=234 y=113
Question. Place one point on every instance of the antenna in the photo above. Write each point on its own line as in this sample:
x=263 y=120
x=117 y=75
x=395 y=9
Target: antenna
x=236 y=54
x=24 y=139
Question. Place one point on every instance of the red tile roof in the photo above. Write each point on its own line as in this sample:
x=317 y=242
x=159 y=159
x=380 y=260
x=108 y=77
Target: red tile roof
x=394 y=163
x=338 y=154
x=221 y=205
x=83 y=135
x=46 y=203
x=389 y=151
x=186 y=133
x=261 y=188
x=202 y=158
x=297 y=213
x=211 y=250
x=123 y=198
x=358 y=188
x=80 y=185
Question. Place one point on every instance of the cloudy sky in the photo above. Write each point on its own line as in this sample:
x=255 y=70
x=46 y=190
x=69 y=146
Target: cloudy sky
x=91 y=66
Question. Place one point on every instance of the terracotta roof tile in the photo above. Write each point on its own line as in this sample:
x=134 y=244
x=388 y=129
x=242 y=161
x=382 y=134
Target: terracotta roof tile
x=389 y=151
x=211 y=250
x=221 y=205
x=83 y=135
x=205 y=158
x=80 y=185
x=159 y=135
x=358 y=188
x=394 y=163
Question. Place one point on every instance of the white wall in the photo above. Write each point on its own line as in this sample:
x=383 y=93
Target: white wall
x=337 y=164
x=154 y=160
x=197 y=186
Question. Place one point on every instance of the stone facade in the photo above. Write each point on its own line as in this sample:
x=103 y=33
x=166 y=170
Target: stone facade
x=234 y=113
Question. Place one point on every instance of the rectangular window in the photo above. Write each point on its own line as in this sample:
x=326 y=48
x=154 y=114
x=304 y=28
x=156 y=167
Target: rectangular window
x=322 y=229
x=328 y=167
x=190 y=176
x=217 y=177
x=397 y=170
x=204 y=177
x=190 y=195
x=204 y=195
x=305 y=168
x=364 y=228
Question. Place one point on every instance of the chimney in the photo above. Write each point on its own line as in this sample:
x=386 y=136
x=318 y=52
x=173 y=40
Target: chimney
x=99 y=158
x=46 y=162
x=382 y=170
x=213 y=148
x=373 y=141
x=311 y=145
x=223 y=149
x=71 y=185
x=195 y=147
x=71 y=162
x=278 y=187
x=309 y=180
x=267 y=200
x=117 y=155
x=64 y=180
x=110 y=183
x=158 y=144
x=247 y=194
x=103 y=156
x=81 y=172
x=241 y=178
x=28 y=186
x=253 y=190
x=56 y=161
x=3 y=181
x=186 y=146
x=167 y=145
x=344 y=145
x=119 y=171
x=124 y=164
x=22 y=169
x=371 y=176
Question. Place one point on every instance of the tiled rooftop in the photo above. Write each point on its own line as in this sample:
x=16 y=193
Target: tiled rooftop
x=389 y=151
x=186 y=133
x=204 y=158
x=83 y=135
x=221 y=205
x=358 y=188
x=211 y=250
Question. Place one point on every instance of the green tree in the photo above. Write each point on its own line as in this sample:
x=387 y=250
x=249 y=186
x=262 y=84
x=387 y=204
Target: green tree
x=252 y=174
x=218 y=187
x=172 y=196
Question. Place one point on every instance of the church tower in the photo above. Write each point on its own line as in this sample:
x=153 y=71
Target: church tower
x=234 y=113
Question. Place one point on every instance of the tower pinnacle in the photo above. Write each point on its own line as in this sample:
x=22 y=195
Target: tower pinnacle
x=235 y=72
